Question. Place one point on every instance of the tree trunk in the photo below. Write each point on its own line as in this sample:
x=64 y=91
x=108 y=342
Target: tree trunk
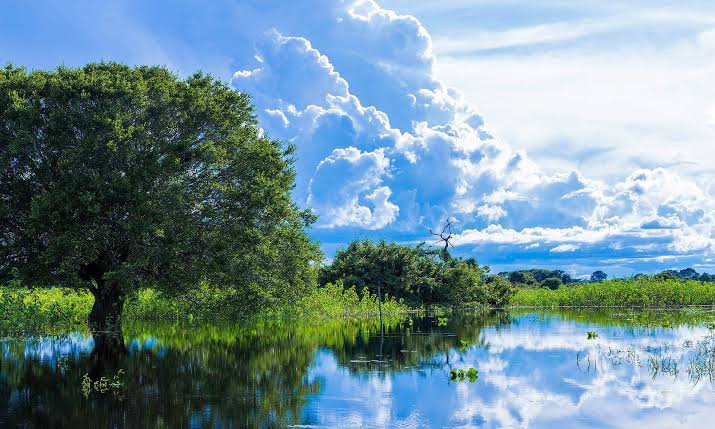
x=105 y=320
x=106 y=314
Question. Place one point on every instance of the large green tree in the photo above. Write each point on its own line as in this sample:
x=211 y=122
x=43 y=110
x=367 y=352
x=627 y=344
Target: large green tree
x=115 y=177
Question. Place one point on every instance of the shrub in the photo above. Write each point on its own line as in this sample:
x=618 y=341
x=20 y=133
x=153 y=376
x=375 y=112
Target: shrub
x=552 y=283
x=414 y=273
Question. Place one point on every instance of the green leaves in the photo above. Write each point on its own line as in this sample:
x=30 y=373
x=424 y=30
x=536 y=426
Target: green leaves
x=460 y=375
x=415 y=273
x=132 y=174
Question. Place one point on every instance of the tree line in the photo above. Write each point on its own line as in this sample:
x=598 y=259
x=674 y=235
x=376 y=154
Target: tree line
x=553 y=279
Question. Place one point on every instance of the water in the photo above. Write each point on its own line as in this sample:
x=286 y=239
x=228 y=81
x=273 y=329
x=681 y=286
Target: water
x=535 y=370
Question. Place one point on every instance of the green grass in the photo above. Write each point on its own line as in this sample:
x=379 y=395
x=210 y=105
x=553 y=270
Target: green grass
x=43 y=310
x=621 y=293
x=61 y=310
x=214 y=304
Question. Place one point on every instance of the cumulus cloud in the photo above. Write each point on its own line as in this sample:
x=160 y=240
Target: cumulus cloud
x=561 y=248
x=384 y=145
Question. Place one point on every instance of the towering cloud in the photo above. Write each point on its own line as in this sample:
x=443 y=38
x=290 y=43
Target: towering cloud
x=384 y=145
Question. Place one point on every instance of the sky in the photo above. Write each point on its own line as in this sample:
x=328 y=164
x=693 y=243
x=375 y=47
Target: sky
x=558 y=134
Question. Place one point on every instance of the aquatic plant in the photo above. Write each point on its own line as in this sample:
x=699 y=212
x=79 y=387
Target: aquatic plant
x=103 y=384
x=442 y=321
x=591 y=335
x=460 y=375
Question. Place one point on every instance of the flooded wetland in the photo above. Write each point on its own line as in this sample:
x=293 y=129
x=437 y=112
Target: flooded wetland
x=524 y=368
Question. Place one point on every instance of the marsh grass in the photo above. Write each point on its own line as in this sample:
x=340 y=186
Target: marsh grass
x=57 y=310
x=43 y=310
x=635 y=293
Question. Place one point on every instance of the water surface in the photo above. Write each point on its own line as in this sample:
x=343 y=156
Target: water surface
x=535 y=370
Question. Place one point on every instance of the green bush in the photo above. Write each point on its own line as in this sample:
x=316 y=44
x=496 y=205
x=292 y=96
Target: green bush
x=43 y=310
x=417 y=274
x=552 y=283
x=334 y=300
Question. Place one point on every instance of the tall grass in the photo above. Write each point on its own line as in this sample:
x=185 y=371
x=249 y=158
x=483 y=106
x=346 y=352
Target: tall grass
x=333 y=300
x=646 y=292
x=43 y=310
x=61 y=310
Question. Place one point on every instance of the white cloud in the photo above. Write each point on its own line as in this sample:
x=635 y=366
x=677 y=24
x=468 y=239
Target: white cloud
x=710 y=116
x=395 y=149
x=561 y=248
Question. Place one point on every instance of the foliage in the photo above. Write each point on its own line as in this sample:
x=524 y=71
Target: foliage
x=649 y=318
x=43 y=310
x=56 y=310
x=415 y=273
x=666 y=275
x=499 y=291
x=636 y=292
x=114 y=178
x=459 y=375
x=598 y=276
x=552 y=283
x=334 y=300
x=103 y=385
x=524 y=277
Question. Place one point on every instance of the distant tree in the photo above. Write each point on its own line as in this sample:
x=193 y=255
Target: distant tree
x=689 y=274
x=542 y=274
x=552 y=283
x=667 y=275
x=416 y=273
x=113 y=177
x=522 y=278
x=705 y=277
x=598 y=276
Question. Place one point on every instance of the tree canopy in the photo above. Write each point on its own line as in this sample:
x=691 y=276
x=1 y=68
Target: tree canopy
x=114 y=177
x=598 y=276
x=416 y=273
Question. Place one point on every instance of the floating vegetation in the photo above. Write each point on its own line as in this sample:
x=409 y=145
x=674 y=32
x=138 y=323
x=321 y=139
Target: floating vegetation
x=665 y=359
x=591 y=335
x=460 y=375
x=104 y=385
x=702 y=365
x=662 y=365
x=463 y=345
x=442 y=321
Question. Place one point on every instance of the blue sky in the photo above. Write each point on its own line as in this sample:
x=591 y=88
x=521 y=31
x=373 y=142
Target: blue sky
x=573 y=135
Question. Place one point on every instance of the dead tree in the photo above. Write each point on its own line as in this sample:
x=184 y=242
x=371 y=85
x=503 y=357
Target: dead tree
x=444 y=237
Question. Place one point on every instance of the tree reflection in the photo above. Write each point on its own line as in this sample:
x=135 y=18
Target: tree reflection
x=245 y=376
